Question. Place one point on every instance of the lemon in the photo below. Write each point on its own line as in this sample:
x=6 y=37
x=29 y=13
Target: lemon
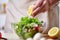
x=30 y=10
x=54 y=32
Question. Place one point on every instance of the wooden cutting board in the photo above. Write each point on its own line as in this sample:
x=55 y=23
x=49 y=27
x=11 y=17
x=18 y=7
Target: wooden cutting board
x=46 y=36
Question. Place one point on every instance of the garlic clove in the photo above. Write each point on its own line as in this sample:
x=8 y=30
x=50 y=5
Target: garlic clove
x=37 y=36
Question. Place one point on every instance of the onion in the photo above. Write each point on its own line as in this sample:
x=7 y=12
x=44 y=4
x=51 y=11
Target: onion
x=37 y=36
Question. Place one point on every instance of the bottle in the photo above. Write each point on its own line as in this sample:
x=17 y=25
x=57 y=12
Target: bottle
x=4 y=7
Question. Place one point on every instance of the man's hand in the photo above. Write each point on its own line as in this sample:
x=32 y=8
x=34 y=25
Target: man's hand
x=42 y=6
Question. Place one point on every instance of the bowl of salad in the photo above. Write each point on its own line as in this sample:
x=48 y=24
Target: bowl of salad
x=27 y=27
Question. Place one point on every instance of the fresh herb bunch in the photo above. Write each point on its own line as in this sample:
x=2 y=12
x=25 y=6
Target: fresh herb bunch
x=22 y=28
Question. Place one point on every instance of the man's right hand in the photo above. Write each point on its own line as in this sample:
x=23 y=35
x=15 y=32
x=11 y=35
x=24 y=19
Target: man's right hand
x=42 y=6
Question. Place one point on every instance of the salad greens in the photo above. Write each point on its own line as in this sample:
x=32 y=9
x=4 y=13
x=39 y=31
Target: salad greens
x=24 y=25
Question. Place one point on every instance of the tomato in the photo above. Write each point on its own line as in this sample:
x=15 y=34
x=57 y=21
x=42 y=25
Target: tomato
x=0 y=35
x=39 y=28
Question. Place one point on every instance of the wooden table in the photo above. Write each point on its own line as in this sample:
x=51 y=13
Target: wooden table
x=45 y=35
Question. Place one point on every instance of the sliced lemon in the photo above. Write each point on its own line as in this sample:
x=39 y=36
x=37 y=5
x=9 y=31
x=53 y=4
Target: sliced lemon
x=30 y=10
x=54 y=32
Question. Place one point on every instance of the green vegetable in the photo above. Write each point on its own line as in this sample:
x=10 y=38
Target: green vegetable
x=24 y=25
x=28 y=35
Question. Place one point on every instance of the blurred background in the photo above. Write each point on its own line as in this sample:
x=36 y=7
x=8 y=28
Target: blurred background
x=11 y=11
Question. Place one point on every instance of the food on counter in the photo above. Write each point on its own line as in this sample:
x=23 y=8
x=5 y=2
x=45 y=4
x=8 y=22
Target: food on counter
x=37 y=36
x=30 y=10
x=54 y=32
x=25 y=27
x=29 y=39
x=40 y=29
x=29 y=29
x=37 y=27
x=30 y=34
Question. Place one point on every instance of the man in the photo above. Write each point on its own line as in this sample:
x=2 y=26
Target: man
x=18 y=8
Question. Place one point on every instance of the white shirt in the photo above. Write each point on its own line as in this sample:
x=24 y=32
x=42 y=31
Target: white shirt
x=18 y=8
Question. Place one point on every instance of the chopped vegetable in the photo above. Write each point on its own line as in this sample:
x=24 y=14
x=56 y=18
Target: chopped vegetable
x=25 y=28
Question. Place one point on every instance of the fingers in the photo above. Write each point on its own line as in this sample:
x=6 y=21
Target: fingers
x=35 y=12
x=38 y=10
x=38 y=3
x=42 y=8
